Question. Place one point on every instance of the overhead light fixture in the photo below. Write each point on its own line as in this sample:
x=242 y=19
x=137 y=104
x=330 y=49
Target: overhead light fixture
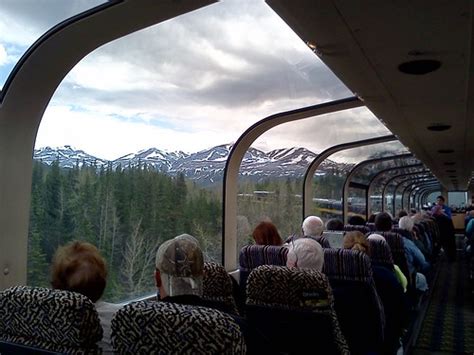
x=450 y=171
x=419 y=67
x=449 y=163
x=453 y=176
x=314 y=48
x=438 y=127
x=445 y=151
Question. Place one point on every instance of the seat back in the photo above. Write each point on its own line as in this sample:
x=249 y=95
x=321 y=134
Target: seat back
x=170 y=328
x=49 y=320
x=294 y=309
x=217 y=287
x=253 y=256
x=357 y=303
x=380 y=253
x=323 y=240
x=395 y=241
x=371 y=226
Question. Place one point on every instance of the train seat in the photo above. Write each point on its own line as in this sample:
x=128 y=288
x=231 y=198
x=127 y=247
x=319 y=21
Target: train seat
x=357 y=303
x=380 y=253
x=217 y=287
x=294 y=309
x=395 y=241
x=40 y=320
x=371 y=226
x=253 y=256
x=169 y=328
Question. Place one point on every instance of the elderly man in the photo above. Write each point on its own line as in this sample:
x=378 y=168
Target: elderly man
x=305 y=253
x=178 y=276
x=313 y=228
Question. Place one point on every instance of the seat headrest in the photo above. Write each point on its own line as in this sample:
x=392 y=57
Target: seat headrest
x=170 y=328
x=55 y=320
x=252 y=256
x=347 y=264
x=303 y=288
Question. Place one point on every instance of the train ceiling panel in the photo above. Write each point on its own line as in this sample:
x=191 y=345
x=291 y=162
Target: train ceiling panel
x=411 y=63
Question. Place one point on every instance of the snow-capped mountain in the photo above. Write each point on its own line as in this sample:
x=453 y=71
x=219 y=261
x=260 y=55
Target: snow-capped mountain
x=67 y=156
x=205 y=166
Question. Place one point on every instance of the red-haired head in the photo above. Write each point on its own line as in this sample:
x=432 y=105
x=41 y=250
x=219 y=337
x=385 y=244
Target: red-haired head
x=266 y=234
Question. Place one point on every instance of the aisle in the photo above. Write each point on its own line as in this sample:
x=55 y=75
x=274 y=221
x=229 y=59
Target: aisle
x=448 y=326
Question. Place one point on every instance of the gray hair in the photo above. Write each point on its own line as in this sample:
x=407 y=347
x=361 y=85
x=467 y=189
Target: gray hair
x=406 y=223
x=313 y=226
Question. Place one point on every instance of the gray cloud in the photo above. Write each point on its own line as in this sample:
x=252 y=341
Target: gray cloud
x=219 y=69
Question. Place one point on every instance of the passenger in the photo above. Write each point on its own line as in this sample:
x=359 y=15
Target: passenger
x=356 y=240
x=266 y=234
x=402 y=213
x=446 y=231
x=356 y=221
x=390 y=291
x=383 y=222
x=402 y=280
x=372 y=218
x=312 y=227
x=444 y=209
x=468 y=218
x=415 y=258
x=178 y=276
x=469 y=233
x=305 y=253
x=334 y=224
x=79 y=267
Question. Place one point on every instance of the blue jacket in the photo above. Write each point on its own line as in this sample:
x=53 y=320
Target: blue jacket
x=415 y=258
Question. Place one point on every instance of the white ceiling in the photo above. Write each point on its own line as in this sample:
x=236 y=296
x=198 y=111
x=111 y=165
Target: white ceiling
x=364 y=42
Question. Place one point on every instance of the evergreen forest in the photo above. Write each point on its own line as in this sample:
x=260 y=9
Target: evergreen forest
x=128 y=212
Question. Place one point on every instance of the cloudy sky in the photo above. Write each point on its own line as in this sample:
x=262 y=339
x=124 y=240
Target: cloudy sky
x=187 y=84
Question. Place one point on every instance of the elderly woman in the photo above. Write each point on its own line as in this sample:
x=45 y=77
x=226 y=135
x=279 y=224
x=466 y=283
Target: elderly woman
x=79 y=267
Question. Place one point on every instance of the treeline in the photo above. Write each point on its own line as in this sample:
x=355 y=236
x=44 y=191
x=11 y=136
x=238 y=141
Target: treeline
x=126 y=213
x=281 y=203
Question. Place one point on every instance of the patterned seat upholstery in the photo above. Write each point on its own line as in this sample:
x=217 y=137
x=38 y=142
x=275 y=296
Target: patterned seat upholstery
x=53 y=320
x=357 y=303
x=217 y=287
x=395 y=241
x=169 y=328
x=252 y=256
x=352 y=227
x=380 y=253
x=294 y=309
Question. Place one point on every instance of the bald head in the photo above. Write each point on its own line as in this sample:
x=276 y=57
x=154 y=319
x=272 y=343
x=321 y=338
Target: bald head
x=313 y=226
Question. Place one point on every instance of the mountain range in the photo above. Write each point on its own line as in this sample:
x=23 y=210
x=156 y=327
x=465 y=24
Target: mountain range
x=205 y=166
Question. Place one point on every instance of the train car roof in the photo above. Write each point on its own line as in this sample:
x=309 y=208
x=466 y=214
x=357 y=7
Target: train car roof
x=410 y=62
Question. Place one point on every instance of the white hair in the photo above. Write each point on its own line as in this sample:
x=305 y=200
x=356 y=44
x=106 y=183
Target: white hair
x=375 y=236
x=406 y=223
x=305 y=253
x=313 y=226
